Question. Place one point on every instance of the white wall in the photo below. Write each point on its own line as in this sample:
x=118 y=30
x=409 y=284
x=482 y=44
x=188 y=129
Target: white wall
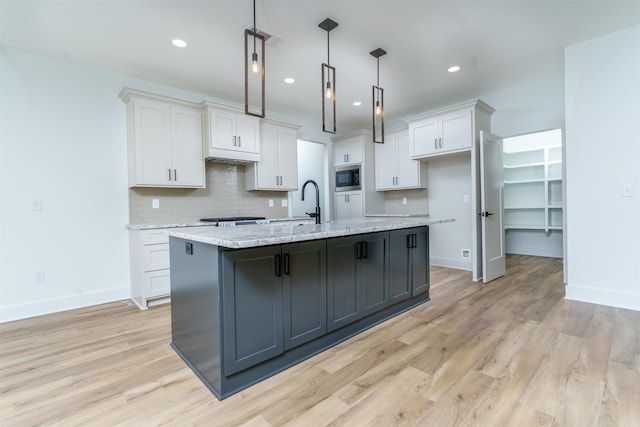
x=63 y=141
x=311 y=165
x=603 y=154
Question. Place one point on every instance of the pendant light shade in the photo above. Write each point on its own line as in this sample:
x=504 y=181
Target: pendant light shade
x=377 y=100
x=328 y=85
x=254 y=70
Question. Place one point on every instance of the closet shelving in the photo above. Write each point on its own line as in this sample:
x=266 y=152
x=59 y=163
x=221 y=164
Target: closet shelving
x=533 y=189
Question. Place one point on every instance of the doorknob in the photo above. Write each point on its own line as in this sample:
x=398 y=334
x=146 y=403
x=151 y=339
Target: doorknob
x=486 y=213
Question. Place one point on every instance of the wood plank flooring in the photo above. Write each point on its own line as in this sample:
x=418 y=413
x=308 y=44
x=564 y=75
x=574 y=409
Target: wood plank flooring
x=509 y=353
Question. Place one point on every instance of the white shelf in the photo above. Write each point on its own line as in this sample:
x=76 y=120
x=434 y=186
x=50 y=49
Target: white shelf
x=533 y=189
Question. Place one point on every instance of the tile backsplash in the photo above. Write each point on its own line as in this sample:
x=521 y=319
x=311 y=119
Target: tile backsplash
x=224 y=195
x=417 y=202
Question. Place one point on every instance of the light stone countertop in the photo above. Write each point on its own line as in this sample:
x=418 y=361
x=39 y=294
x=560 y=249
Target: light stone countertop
x=210 y=224
x=248 y=236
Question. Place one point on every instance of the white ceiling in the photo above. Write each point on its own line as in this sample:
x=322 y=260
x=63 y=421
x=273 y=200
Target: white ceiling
x=498 y=43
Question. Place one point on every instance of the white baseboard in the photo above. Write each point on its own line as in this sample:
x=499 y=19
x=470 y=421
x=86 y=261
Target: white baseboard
x=526 y=250
x=458 y=264
x=603 y=297
x=39 y=308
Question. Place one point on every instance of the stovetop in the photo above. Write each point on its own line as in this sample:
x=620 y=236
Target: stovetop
x=232 y=219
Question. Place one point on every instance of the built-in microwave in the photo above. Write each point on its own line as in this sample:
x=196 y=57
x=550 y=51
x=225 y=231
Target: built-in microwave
x=348 y=178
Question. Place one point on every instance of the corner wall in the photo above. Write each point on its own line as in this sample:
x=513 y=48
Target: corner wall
x=602 y=104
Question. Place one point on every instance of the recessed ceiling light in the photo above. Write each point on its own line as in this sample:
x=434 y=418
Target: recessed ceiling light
x=289 y=80
x=357 y=104
x=453 y=69
x=179 y=43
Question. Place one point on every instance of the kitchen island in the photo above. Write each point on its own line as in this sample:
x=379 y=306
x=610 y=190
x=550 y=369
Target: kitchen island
x=250 y=301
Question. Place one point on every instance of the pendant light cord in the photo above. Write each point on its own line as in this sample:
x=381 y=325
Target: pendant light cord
x=254 y=26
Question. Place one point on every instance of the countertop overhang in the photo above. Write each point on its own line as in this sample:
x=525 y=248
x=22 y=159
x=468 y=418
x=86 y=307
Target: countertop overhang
x=248 y=236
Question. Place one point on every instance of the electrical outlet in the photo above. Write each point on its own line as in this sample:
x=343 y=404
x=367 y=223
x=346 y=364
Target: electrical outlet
x=404 y=200
x=36 y=205
x=284 y=203
x=270 y=203
x=155 y=203
x=465 y=254
x=40 y=277
x=627 y=190
x=466 y=198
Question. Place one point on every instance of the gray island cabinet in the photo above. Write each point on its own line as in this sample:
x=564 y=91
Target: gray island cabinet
x=244 y=307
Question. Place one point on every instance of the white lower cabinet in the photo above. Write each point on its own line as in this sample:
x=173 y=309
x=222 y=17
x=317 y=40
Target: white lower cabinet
x=349 y=204
x=149 y=266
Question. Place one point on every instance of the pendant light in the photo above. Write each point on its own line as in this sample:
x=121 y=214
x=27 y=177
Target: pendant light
x=254 y=70
x=328 y=85
x=377 y=99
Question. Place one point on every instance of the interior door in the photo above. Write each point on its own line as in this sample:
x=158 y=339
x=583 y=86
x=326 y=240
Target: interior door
x=492 y=206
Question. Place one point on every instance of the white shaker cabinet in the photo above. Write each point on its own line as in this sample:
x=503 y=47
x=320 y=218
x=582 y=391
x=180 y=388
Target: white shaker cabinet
x=394 y=168
x=349 y=204
x=164 y=140
x=278 y=165
x=348 y=151
x=443 y=133
x=231 y=135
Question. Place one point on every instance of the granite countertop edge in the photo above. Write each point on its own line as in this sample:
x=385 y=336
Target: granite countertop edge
x=248 y=236
x=203 y=224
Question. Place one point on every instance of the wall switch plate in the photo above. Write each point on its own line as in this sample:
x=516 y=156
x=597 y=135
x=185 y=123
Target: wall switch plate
x=36 y=205
x=284 y=203
x=155 y=203
x=627 y=190
x=466 y=198
x=404 y=200
x=270 y=203
x=40 y=277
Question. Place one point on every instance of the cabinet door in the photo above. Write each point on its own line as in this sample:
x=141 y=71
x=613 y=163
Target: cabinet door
x=408 y=175
x=343 y=285
x=152 y=135
x=386 y=164
x=423 y=137
x=374 y=272
x=288 y=159
x=267 y=168
x=341 y=207
x=420 y=262
x=222 y=129
x=354 y=150
x=248 y=133
x=187 y=160
x=399 y=265
x=455 y=130
x=304 y=292
x=340 y=150
x=252 y=307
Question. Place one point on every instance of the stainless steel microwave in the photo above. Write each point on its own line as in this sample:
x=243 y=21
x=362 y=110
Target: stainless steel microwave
x=348 y=178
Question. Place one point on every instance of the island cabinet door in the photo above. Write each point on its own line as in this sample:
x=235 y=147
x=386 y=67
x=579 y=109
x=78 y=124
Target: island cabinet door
x=409 y=263
x=252 y=306
x=420 y=261
x=374 y=261
x=343 y=282
x=400 y=265
x=304 y=279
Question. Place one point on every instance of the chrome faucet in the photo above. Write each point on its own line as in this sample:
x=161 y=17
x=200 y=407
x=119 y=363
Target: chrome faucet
x=315 y=215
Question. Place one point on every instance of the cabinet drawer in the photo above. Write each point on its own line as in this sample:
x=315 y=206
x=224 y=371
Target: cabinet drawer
x=155 y=257
x=154 y=237
x=157 y=283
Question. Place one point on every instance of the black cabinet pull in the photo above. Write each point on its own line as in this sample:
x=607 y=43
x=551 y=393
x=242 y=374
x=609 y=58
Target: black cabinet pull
x=414 y=241
x=359 y=250
x=286 y=264
x=409 y=241
x=364 y=249
x=277 y=266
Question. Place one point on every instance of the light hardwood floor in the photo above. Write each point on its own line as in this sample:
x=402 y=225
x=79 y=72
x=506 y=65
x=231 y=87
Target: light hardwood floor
x=509 y=353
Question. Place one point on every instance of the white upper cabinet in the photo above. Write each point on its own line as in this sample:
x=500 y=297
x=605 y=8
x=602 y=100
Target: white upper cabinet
x=231 y=135
x=348 y=151
x=164 y=141
x=441 y=133
x=394 y=168
x=278 y=165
